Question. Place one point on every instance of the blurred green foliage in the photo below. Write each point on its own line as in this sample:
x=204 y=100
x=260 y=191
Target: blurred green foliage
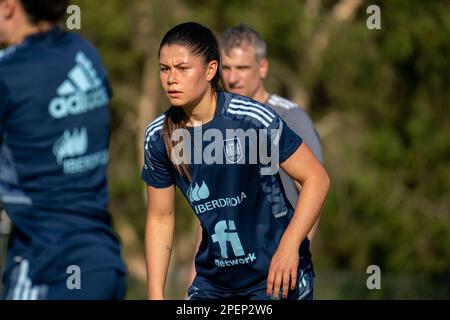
x=381 y=102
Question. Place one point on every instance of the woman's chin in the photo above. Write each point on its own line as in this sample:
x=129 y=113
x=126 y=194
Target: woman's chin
x=176 y=103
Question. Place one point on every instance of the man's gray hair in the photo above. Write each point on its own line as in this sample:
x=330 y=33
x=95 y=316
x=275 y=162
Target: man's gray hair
x=242 y=35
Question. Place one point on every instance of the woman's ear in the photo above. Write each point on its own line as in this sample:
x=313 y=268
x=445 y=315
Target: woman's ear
x=211 y=70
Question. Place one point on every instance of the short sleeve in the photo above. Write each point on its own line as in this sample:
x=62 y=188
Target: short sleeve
x=157 y=170
x=282 y=139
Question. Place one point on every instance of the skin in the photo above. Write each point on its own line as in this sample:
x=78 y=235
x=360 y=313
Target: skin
x=244 y=74
x=306 y=170
x=186 y=81
x=15 y=24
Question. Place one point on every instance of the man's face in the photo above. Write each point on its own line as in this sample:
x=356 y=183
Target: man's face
x=242 y=72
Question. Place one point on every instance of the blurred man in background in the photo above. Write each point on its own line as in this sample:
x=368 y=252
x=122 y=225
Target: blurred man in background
x=54 y=128
x=245 y=67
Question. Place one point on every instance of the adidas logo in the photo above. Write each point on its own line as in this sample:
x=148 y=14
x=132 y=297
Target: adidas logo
x=81 y=92
x=198 y=193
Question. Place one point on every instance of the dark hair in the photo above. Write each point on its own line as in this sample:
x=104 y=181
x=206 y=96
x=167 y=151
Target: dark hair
x=202 y=42
x=45 y=10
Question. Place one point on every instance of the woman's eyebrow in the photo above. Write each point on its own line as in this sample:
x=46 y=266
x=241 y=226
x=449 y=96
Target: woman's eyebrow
x=176 y=65
x=181 y=63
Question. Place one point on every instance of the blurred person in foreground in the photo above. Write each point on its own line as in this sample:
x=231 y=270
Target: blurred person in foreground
x=54 y=124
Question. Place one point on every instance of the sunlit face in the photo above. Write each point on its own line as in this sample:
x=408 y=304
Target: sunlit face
x=184 y=76
x=242 y=72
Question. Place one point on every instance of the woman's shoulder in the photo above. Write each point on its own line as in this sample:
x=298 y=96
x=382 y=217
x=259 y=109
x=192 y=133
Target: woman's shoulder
x=248 y=111
x=153 y=132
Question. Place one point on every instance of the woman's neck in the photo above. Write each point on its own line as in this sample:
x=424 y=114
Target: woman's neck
x=27 y=30
x=202 y=111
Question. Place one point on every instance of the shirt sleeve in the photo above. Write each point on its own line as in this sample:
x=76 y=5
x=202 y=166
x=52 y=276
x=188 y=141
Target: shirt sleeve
x=299 y=121
x=282 y=140
x=157 y=170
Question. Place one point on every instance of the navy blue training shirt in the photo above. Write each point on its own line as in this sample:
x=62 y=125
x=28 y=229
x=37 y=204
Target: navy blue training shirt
x=242 y=209
x=54 y=129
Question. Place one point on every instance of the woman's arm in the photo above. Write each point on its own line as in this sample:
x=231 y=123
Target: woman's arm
x=159 y=238
x=193 y=272
x=313 y=231
x=303 y=167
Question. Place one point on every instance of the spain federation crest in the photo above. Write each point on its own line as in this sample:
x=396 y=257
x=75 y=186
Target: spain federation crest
x=233 y=150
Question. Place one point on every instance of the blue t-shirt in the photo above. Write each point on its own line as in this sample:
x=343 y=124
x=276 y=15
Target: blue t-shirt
x=54 y=138
x=238 y=199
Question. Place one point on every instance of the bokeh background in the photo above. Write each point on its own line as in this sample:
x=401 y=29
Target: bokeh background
x=380 y=100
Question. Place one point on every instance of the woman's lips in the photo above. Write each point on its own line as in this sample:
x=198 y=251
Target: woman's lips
x=173 y=93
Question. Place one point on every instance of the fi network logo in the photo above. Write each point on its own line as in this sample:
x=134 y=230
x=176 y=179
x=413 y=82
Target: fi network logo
x=225 y=232
x=223 y=237
x=198 y=193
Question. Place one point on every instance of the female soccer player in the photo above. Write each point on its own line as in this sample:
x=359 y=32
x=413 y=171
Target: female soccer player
x=221 y=149
x=54 y=129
